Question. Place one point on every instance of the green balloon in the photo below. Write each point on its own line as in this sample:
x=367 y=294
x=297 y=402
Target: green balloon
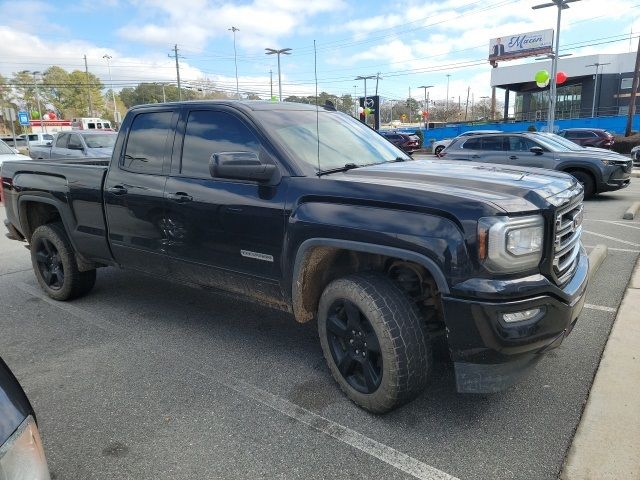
x=35 y=115
x=542 y=76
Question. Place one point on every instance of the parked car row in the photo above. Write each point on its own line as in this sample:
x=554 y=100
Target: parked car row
x=596 y=169
x=75 y=144
x=408 y=143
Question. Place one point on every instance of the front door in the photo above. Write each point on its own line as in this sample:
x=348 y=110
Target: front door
x=223 y=233
x=519 y=152
x=134 y=193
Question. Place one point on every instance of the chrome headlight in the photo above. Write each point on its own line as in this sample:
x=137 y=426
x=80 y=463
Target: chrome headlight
x=22 y=455
x=507 y=244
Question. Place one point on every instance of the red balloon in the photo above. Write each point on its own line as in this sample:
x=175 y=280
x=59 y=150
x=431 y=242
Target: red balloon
x=561 y=77
x=52 y=116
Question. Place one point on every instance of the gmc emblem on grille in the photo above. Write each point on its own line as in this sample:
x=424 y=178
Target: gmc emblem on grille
x=577 y=221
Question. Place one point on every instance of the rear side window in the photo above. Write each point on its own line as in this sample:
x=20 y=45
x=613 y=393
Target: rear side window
x=47 y=137
x=74 y=141
x=472 y=144
x=495 y=144
x=210 y=132
x=145 y=148
x=33 y=138
x=61 y=142
x=91 y=125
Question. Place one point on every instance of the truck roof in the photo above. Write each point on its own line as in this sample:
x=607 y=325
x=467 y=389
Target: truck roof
x=241 y=104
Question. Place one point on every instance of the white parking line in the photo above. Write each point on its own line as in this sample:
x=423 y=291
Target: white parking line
x=388 y=455
x=612 y=238
x=616 y=249
x=612 y=222
x=600 y=307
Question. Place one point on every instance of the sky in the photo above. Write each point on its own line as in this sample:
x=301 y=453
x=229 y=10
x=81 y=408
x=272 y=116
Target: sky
x=409 y=43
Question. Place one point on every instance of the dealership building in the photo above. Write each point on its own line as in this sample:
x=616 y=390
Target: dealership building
x=585 y=92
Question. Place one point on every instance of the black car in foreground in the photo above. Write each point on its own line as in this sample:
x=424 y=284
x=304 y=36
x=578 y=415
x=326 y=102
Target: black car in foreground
x=309 y=211
x=406 y=142
x=21 y=453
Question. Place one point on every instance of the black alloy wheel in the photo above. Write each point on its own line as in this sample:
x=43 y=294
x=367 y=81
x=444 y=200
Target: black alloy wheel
x=49 y=264
x=354 y=346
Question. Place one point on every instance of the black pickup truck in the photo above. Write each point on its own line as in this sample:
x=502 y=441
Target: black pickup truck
x=309 y=211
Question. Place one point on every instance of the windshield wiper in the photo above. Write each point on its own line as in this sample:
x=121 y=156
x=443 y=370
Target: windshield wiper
x=344 y=168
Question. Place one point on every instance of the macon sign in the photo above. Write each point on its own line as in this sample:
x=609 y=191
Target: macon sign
x=522 y=45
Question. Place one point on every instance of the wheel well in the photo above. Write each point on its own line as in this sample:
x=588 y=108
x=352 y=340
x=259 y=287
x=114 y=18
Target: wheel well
x=582 y=170
x=36 y=214
x=321 y=265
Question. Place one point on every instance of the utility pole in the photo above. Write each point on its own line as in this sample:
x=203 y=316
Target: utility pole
x=164 y=95
x=175 y=55
x=377 y=78
x=370 y=77
x=271 y=83
x=447 y=105
x=410 y=109
x=235 y=58
x=466 y=108
x=355 y=101
x=634 y=91
x=86 y=72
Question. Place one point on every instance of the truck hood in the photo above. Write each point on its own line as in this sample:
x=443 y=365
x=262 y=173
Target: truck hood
x=509 y=189
x=99 y=152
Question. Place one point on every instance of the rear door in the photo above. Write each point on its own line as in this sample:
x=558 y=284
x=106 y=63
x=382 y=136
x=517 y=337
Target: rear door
x=222 y=231
x=491 y=149
x=134 y=192
x=75 y=148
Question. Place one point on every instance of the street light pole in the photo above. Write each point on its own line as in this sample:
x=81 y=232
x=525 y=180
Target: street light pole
x=35 y=87
x=560 y=5
x=447 y=105
x=369 y=77
x=595 y=86
x=282 y=51
x=426 y=105
x=235 y=58
x=113 y=95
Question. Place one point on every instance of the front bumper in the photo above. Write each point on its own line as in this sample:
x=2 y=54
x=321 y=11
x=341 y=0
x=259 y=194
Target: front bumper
x=616 y=177
x=490 y=354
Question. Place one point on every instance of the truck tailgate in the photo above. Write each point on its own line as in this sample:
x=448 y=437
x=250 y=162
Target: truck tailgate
x=73 y=188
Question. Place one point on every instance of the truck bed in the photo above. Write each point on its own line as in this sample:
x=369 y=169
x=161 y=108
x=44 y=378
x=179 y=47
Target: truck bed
x=73 y=186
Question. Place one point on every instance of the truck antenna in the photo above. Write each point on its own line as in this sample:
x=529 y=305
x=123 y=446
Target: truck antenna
x=315 y=71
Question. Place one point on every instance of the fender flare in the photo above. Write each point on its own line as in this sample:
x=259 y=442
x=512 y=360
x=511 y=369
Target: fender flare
x=402 y=254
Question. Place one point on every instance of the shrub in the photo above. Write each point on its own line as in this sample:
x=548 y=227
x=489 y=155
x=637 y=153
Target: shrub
x=532 y=128
x=625 y=144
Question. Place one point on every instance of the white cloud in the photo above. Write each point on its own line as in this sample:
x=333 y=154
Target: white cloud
x=194 y=22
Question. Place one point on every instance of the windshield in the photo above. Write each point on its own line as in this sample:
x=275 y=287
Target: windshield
x=99 y=140
x=6 y=149
x=343 y=140
x=561 y=141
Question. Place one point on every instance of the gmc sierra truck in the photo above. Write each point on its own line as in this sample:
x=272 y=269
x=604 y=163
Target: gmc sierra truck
x=307 y=210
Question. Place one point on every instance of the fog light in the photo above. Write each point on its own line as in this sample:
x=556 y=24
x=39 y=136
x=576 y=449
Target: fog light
x=520 y=316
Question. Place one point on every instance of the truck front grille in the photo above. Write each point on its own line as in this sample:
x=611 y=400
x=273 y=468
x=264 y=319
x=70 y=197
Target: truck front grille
x=568 y=229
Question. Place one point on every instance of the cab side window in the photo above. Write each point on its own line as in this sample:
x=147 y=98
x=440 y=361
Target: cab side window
x=75 y=142
x=210 y=132
x=145 y=150
x=61 y=141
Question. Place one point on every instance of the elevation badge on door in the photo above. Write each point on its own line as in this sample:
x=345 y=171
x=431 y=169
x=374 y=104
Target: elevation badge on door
x=258 y=256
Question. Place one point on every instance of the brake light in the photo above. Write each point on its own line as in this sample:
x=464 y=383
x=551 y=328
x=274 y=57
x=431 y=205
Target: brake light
x=1 y=181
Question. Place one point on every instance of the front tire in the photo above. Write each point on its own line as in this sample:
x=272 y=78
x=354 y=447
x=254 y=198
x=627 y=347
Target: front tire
x=587 y=182
x=55 y=266
x=374 y=341
x=438 y=150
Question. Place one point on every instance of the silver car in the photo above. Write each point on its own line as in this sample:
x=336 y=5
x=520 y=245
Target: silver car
x=597 y=171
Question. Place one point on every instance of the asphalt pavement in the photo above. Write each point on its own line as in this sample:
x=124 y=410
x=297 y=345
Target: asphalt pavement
x=147 y=379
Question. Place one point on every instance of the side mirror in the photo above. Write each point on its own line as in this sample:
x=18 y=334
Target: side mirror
x=49 y=144
x=536 y=150
x=75 y=147
x=240 y=166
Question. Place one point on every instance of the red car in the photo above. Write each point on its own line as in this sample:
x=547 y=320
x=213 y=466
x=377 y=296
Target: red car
x=408 y=143
x=589 y=137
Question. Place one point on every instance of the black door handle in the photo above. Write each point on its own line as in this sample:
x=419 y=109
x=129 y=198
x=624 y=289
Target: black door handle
x=117 y=190
x=180 y=197
x=475 y=156
x=513 y=157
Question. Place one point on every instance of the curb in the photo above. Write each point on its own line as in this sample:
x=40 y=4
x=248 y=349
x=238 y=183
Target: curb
x=596 y=257
x=631 y=211
x=607 y=440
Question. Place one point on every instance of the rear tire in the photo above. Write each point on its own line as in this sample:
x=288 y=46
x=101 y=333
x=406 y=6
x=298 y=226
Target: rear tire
x=374 y=341
x=587 y=182
x=54 y=264
x=438 y=150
